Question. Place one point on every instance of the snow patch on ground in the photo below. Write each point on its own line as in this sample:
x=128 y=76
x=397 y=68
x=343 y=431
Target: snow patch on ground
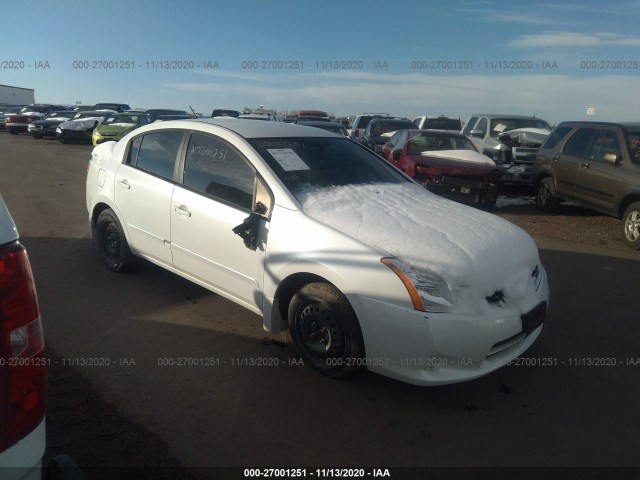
x=509 y=202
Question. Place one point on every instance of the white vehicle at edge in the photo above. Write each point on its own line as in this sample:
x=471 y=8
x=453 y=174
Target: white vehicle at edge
x=22 y=363
x=318 y=235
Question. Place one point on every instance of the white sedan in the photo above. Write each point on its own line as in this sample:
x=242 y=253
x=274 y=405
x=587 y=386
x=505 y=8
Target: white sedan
x=317 y=234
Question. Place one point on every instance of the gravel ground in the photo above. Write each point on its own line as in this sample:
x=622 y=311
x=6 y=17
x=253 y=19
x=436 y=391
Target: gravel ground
x=108 y=445
x=571 y=223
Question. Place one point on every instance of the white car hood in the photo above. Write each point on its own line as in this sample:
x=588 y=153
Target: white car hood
x=475 y=252
x=537 y=135
x=462 y=155
x=81 y=123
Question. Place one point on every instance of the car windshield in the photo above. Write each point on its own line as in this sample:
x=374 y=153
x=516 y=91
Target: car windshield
x=304 y=162
x=633 y=138
x=61 y=115
x=499 y=125
x=443 y=124
x=131 y=119
x=35 y=109
x=88 y=114
x=423 y=142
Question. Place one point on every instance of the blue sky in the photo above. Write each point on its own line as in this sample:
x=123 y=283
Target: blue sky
x=406 y=58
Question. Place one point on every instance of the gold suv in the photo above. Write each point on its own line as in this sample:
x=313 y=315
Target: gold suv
x=594 y=164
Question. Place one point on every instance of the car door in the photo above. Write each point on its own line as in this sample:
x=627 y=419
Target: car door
x=566 y=162
x=215 y=195
x=143 y=190
x=598 y=181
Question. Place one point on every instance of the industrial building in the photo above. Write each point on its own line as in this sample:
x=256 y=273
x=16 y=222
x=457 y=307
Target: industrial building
x=16 y=95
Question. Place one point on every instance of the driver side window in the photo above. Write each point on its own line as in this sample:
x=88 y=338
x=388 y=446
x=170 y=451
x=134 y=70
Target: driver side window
x=213 y=167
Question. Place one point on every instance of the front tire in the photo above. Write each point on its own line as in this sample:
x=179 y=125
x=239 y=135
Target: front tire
x=546 y=201
x=325 y=330
x=112 y=243
x=631 y=226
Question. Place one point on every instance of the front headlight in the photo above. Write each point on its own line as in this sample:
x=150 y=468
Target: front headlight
x=428 y=290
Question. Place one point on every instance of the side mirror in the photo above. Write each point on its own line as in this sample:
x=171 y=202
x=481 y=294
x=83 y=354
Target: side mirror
x=395 y=155
x=248 y=230
x=613 y=159
x=477 y=133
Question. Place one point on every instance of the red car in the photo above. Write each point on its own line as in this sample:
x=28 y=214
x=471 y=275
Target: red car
x=19 y=122
x=446 y=163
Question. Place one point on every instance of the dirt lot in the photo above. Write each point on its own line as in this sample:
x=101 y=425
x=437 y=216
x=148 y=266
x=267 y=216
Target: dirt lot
x=108 y=445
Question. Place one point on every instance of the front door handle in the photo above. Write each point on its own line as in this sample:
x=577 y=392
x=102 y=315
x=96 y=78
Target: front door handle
x=182 y=211
x=585 y=165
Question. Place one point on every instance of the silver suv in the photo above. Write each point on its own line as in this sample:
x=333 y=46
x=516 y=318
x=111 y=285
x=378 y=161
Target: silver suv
x=595 y=164
x=510 y=140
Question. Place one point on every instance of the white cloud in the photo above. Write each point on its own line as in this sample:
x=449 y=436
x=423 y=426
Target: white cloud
x=554 y=97
x=574 y=39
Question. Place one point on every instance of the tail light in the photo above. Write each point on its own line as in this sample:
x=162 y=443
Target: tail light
x=22 y=361
x=356 y=133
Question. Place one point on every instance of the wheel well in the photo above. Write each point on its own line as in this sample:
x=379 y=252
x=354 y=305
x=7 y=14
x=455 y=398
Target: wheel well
x=288 y=288
x=541 y=176
x=628 y=200
x=97 y=210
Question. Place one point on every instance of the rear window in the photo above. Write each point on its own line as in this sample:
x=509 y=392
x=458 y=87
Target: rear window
x=443 y=124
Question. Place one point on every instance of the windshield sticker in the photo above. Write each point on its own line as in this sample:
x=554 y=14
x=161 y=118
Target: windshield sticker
x=288 y=159
x=499 y=128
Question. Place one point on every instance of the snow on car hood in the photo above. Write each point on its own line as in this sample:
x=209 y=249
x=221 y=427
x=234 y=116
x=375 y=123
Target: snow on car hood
x=475 y=252
x=462 y=155
x=81 y=123
x=529 y=135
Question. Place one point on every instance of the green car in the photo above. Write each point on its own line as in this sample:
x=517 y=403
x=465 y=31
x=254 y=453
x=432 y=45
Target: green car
x=116 y=126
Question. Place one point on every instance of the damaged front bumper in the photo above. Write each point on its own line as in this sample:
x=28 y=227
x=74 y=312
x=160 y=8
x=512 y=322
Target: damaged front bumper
x=441 y=348
x=470 y=190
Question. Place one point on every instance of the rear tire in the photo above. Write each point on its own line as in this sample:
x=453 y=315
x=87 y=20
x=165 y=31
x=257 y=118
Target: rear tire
x=545 y=200
x=325 y=330
x=631 y=226
x=112 y=243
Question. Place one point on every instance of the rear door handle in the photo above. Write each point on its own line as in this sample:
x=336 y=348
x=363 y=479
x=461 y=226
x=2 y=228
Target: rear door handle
x=182 y=211
x=585 y=165
x=124 y=184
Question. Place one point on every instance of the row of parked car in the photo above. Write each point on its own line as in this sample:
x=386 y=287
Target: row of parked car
x=464 y=162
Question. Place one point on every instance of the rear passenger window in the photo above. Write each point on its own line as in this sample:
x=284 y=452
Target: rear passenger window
x=579 y=145
x=214 y=168
x=157 y=153
x=557 y=135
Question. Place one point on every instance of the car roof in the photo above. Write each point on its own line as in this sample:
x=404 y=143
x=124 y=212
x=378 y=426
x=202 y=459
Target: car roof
x=587 y=123
x=504 y=115
x=249 y=128
x=320 y=123
x=435 y=131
